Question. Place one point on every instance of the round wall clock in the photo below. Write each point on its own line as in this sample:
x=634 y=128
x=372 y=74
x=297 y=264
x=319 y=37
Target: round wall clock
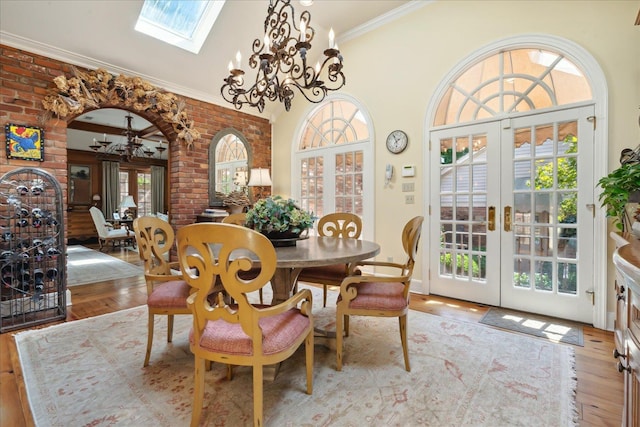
x=397 y=141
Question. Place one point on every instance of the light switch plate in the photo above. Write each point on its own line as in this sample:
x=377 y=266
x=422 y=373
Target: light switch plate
x=408 y=187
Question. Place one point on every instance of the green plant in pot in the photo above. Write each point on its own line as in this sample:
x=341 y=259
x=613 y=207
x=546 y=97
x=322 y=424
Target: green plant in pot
x=278 y=218
x=619 y=188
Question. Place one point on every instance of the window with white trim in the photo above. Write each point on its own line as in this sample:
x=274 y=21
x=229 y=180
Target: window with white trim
x=334 y=161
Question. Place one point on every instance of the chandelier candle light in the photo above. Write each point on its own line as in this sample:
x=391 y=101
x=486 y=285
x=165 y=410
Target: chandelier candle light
x=281 y=62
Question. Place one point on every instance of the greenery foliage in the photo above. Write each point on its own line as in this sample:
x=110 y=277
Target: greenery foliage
x=462 y=264
x=275 y=214
x=567 y=179
x=616 y=188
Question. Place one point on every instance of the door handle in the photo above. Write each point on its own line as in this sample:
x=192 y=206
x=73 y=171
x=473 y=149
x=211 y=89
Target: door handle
x=492 y=218
x=507 y=218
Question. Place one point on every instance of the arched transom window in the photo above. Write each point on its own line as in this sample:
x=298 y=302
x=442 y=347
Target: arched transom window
x=337 y=122
x=512 y=81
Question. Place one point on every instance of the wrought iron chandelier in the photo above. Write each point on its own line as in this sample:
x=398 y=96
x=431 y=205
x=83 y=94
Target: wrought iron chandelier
x=127 y=151
x=281 y=62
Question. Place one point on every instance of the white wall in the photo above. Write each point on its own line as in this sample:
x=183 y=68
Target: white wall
x=395 y=69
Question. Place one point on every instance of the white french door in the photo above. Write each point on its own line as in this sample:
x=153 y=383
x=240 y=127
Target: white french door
x=464 y=183
x=512 y=212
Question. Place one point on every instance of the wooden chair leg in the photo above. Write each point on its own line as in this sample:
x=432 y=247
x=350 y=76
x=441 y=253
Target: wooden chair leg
x=149 y=339
x=229 y=372
x=346 y=325
x=169 y=327
x=308 y=347
x=324 y=295
x=257 y=396
x=403 y=338
x=339 y=333
x=198 y=391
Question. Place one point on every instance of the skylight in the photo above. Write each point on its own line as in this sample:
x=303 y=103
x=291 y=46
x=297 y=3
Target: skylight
x=181 y=23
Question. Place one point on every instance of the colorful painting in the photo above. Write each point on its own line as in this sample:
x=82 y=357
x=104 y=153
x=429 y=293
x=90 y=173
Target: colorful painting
x=24 y=142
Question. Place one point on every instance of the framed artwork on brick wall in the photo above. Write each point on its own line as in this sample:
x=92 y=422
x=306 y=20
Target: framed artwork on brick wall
x=24 y=142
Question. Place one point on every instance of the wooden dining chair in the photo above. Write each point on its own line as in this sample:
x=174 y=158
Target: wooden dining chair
x=241 y=219
x=235 y=218
x=240 y=334
x=339 y=225
x=167 y=292
x=380 y=295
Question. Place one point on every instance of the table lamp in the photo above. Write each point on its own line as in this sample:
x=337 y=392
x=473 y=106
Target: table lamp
x=128 y=205
x=259 y=177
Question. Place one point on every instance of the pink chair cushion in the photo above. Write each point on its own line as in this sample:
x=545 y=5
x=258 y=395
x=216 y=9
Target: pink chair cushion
x=379 y=296
x=334 y=273
x=172 y=294
x=279 y=333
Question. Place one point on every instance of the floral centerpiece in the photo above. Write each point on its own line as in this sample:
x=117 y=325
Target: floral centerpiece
x=278 y=218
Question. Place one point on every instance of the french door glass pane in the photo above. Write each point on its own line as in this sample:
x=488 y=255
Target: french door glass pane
x=349 y=182
x=144 y=194
x=463 y=207
x=544 y=200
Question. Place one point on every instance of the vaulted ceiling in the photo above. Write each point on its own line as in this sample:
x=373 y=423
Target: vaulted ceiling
x=100 y=33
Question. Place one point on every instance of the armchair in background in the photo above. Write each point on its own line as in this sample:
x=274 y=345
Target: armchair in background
x=381 y=295
x=339 y=225
x=106 y=231
x=167 y=292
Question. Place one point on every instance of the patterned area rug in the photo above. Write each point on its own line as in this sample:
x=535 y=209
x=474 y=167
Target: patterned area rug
x=555 y=330
x=86 y=266
x=89 y=372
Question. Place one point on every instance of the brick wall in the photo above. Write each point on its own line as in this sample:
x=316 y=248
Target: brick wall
x=25 y=79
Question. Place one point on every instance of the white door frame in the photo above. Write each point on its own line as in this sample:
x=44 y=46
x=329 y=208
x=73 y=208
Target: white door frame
x=595 y=76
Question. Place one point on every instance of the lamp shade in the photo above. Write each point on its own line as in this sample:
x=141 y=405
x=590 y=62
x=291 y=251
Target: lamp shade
x=127 y=202
x=259 y=178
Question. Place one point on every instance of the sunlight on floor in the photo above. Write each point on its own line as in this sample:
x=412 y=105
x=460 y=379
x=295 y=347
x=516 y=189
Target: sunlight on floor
x=552 y=331
x=533 y=324
x=553 y=337
x=558 y=329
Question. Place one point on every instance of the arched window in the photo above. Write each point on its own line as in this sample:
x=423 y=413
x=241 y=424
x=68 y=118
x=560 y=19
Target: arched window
x=333 y=161
x=512 y=81
x=229 y=163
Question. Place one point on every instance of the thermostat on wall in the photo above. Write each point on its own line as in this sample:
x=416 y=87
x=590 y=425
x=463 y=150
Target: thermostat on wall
x=409 y=170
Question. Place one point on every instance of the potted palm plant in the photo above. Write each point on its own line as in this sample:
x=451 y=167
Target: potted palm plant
x=619 y=188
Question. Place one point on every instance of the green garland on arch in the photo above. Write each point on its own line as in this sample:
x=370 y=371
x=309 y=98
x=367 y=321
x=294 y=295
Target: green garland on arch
x=95 y=89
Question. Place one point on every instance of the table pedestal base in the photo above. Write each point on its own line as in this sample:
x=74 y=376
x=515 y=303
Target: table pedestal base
x=283 y=282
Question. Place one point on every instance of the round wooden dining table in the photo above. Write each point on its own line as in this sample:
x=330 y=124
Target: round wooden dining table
x=314 y=252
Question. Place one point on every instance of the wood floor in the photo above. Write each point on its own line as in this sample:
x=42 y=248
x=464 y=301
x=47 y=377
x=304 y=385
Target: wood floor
x=599 y=394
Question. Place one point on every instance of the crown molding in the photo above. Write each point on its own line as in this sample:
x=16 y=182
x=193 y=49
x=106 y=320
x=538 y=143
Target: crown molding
x=93 y=64
x=384 y=19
